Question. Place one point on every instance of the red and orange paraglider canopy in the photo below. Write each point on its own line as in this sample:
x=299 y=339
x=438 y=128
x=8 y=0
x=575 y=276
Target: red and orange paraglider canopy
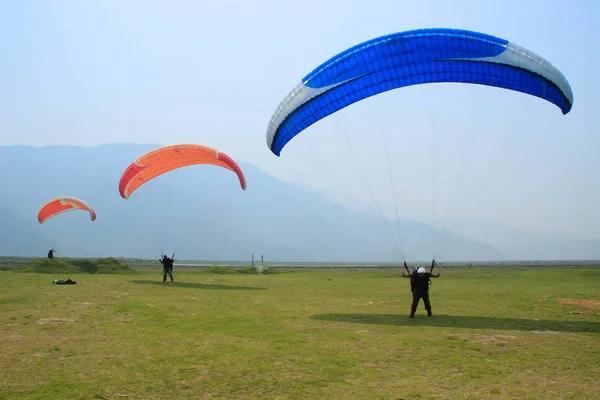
x=168 y=158
x=60 y=205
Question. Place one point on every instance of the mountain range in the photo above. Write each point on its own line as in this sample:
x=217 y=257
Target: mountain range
x=201 y=213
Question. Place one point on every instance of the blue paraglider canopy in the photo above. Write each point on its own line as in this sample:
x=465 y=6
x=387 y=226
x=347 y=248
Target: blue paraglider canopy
x=412 y=58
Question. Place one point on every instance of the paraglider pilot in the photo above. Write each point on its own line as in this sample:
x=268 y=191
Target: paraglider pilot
x=51 y=253
x=419 y=286
x=167 y=267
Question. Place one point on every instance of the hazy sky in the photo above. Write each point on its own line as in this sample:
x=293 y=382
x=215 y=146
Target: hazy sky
x=213 y=72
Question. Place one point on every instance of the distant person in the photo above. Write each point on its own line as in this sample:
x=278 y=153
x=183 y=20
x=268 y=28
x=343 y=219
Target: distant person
x=51 y=253
x=167 y=267
x=420 y=282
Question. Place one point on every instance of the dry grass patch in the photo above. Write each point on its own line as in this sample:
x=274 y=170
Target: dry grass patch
x=587 y=303
x=125 y=320
x=54 y=321
x=486 y=339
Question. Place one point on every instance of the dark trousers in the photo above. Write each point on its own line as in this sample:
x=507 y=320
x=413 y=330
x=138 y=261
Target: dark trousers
x=167 y=271
x=416 y=297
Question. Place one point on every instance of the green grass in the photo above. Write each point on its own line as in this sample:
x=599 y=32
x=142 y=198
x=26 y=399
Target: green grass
x=495 y=334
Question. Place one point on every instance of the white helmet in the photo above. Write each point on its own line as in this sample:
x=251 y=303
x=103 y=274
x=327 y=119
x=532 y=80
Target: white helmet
x=421 y=270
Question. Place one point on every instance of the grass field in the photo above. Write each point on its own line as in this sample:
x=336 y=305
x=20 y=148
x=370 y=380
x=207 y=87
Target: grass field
x=496 y=333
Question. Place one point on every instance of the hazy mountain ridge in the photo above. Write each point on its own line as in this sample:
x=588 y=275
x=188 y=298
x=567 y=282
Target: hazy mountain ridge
x=520 y=244
x=200 y=212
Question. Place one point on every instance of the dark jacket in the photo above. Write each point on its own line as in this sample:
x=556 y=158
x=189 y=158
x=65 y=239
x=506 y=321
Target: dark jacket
x=167 y=263
x=420 y=282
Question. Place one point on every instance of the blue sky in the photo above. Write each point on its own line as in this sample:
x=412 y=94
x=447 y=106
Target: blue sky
x=212 y=72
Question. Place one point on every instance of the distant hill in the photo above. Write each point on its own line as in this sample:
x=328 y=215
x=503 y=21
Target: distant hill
x=199 y=213
x=108 y=265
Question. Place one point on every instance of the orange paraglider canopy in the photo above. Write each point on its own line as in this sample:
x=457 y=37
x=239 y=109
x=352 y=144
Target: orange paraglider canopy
x=62 y=204
x=168 y=158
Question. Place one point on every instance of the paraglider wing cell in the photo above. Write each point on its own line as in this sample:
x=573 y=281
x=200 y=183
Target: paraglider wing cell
x=62 y=204
x=168 y=158
x=412 y=58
